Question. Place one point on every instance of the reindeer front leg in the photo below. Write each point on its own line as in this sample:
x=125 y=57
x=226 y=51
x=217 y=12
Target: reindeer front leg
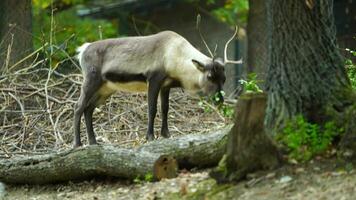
x=154 y=85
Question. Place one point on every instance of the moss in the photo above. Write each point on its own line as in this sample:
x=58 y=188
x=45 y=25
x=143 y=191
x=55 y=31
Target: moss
x=222 y=165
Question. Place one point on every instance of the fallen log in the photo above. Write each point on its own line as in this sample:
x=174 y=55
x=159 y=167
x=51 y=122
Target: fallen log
x=159 y=158
x=197 y=150
x=86 y=162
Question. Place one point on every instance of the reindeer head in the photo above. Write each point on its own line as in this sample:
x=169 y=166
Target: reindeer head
x=213 y=77
x=214 y=72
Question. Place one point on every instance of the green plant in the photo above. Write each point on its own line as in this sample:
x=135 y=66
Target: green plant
x=65 y=29
x=251 y=84
x=225 y=110
x=233 y=12
x=304 y=139
x=351 y=68
x=147 y=178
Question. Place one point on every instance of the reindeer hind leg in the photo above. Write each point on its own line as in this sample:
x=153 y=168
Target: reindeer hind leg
x=89 y=89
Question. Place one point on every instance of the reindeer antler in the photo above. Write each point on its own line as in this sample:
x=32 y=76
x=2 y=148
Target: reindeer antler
x=201 y=36
x=226 y=60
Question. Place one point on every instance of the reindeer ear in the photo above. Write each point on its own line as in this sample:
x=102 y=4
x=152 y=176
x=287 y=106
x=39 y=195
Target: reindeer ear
x=199 y=65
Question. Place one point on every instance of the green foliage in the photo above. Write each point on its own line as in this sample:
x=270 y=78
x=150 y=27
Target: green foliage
x=222 y=165
x=349 y=167
x=304 y=139
x=66 y=31
x=148 y=178
x=251 y=84
x=233 y=12
x=224 y=109
x=227 y=111
x=351 y=69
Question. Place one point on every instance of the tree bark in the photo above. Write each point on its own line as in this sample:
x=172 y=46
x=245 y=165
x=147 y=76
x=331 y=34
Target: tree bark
x=160 y=158
x=15 y=31
x=306 y=75
x=257 y=53
x=249 y=148
x=200 y=150
x=82 y=163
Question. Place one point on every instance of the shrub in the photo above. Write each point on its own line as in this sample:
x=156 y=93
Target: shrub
x=305 y=140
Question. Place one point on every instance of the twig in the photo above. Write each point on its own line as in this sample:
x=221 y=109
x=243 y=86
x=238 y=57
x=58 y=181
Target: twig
x=27 y=57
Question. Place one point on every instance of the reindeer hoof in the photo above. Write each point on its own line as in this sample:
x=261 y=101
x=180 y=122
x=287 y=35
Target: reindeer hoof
x=93 y=143
x=77 y=144
x=165 y=134
x=150 y=137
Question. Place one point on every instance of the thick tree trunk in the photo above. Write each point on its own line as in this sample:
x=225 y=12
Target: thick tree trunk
x=15 y=31
x=157 y=158
x=306 y=75
x=249 y=148
x=257 y=54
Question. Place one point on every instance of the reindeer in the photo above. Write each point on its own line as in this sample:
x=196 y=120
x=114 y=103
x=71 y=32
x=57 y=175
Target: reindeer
x=152 y=64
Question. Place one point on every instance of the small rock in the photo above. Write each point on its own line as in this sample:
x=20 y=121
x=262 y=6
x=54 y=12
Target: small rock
x=293 y=161
x=285 y=179
x=337 y=173
x=316 y=168
x=299 y=170
x=347 y=153
x=271 y=175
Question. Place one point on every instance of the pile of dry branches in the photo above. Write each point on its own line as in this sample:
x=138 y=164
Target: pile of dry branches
x=36 y=111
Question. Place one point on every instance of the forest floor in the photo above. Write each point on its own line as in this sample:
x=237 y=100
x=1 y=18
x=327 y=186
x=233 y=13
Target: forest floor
x=28 y=127
x=318 y=179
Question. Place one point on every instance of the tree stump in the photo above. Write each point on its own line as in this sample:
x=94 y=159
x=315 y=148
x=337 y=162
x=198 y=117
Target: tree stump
x=249 y=148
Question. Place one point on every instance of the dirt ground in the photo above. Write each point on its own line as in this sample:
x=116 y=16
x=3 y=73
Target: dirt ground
x=322 y=179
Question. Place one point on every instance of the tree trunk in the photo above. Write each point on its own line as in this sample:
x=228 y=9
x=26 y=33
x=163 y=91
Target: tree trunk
x=306 y=75
x=15 y=31
x=249 y=148
x=157 y=158
x=257 y=53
